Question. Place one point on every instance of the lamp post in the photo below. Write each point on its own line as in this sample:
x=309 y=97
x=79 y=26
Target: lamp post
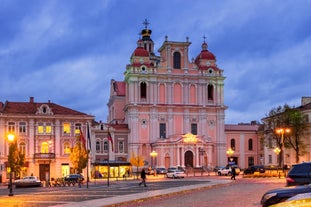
x=11 y=138
x=230 y=153
x=153 y=154
x=282 y=131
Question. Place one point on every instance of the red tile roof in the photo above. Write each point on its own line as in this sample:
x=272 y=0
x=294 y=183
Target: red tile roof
x=31 y=108
x=241 y=127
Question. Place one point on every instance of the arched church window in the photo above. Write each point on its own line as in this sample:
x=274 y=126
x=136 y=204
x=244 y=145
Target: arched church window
x=143 y=90
x=177 y=60
x=210 y=92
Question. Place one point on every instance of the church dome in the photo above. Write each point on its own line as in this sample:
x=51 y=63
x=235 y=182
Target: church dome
x=205 y=54
x=140 y=51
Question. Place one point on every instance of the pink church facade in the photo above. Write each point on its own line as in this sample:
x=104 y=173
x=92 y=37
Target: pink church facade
x=172 y=105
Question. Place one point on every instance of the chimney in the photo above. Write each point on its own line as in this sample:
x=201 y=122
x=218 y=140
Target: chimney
x=31 y=99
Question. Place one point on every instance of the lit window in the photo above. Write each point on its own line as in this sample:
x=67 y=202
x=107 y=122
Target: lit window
x=77 y=129
x=67 y=149
x=48 y=128
x=66 y=128
x=40 y=128
x=44 y=147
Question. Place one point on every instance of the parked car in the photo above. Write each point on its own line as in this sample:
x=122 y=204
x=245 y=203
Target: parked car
x=150 y=171
x=175 y=174
x=299 y=174
x=303 y=199
x=227 y=170
x=28 y=181
x=74 y=178
x=161 y=170
x=255 y=168
x=279 y=195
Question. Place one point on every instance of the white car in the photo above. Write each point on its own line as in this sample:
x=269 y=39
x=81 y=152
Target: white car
x=227 y=170
x=175 y=174
x=28 y=181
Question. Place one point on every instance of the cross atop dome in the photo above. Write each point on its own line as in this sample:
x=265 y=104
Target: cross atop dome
x=146 y=23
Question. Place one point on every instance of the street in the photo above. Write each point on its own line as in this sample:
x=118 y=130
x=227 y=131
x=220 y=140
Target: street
x=242 y=191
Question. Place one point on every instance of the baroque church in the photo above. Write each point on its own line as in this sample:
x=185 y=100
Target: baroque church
x=172 y=105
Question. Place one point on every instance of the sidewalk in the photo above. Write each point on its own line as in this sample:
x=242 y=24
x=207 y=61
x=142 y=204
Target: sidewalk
x=112 y=201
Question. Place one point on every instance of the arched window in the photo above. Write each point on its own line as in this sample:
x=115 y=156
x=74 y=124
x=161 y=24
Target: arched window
x=210 y=92
x=177 y=60
x=232 y=144
x=67 y=149
x=97 y=146
x=250 y=144
x=106 y=146
x=143 y=90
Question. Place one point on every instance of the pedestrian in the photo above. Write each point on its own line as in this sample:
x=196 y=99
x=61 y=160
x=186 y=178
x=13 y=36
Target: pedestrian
x=233 y=173
x=143 y=177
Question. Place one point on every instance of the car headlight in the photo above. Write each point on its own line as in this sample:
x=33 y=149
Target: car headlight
x=268 y=196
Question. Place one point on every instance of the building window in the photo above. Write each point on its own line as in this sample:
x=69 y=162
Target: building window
x=194 y=129
x=250 y=161
x=22 y=127
x=44 y=128
x=250 y=144
x=143 y=90
x=11 y=127
x=66 y=128
x=162 y=130
x=78 y=127
x=232 y=144
x=97 y=146
x=105 y=146
x=177 y=60
x=40 y=128
x=48 y=128
x=270 y=159
x=121 y=146
x=67 y=148
x=22 y=148
x=210 y=92
x=44 y=147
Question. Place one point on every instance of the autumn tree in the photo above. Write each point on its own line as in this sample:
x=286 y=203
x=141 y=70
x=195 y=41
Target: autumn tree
x=286 y=117
x=137 y=160
x=16 y=159
x=79 y=156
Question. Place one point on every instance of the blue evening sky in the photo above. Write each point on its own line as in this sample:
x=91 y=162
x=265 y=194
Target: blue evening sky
x=67 y=51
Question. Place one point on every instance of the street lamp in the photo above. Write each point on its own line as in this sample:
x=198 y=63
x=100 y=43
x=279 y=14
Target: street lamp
x=282 y=131
x=153 y=154
x=230 y=153
x=11 y=138
x=277 y=152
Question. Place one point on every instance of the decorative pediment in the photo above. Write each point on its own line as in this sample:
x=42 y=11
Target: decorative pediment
x=44 y=109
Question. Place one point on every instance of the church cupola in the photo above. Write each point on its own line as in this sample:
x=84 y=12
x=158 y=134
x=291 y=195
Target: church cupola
x=146 y=38
x=205 y=59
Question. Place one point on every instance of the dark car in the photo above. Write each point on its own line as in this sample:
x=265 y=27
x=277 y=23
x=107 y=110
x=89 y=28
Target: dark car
x=280 y=195
x=161 y=170
x=74 y=178
x=299 y=174
x=254 y=168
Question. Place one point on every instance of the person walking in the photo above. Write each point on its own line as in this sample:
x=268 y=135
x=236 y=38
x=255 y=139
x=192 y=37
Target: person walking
x=143 y=177
x=233 y=173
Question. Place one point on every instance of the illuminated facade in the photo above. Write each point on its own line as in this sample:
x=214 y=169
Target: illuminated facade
x=171 y=104
x=45 y=133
